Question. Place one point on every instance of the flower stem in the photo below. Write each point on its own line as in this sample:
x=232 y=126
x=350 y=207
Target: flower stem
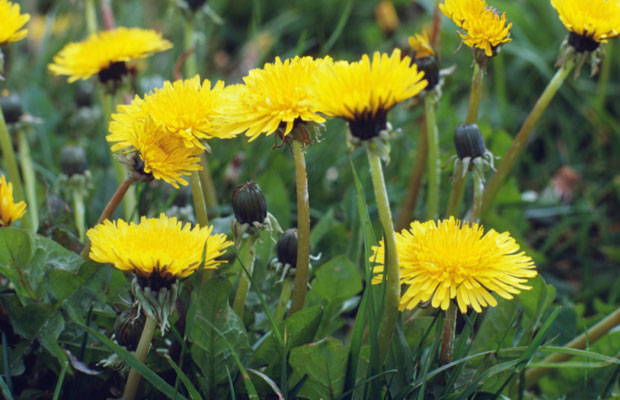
x=458 y=183
x=302 y=270
x=434 y=163
x=199 y=202
x=206 y=180
x=10 y=163
x=247 y=257
x=580 y=342
x=190 y=66
x=478 y=193
x=109 y=210
x=133 y=380
x=91 y=16
x=78 y=212
x=392 y=266
x=25 y=161
x=107 y=106
x=475 y=96
x=285 y=295
x=520 y=141
x=415 y=180
x=447 y=338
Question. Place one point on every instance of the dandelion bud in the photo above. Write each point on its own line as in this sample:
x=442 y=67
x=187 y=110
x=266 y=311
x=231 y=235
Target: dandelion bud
x=249 y=204
x=195 y=4
x=11 y=108
x=128 y=328
x=286 y=249
x=468 y=141
x=72 y=160
x=430 y=66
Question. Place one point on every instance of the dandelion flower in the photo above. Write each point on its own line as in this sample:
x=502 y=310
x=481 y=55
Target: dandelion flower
x=421 y=46
x=157 y=248
x=273 y=97
x=453 y=259
x=106 y=53
x=156 y=152
x=185 y=108
x=12 y=22
x=363 y=92
x=485 y=28
x=9 y=210
x=590 y=22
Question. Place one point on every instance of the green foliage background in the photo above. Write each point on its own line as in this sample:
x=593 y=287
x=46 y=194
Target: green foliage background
x=574 y=243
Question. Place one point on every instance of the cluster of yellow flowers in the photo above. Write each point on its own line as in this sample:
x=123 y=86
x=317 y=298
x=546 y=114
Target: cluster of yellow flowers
x=165 y=132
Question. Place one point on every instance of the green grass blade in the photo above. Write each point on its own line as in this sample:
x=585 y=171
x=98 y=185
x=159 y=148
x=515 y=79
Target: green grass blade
x=150 y=376
x=269 y=382
x=342 y=22
x=61 y=379
x=191 y=390
x=233 y=396
x=5 y=390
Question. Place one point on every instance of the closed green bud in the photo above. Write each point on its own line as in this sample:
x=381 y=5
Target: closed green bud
x=468 y=141
x=249 y=204
x=128 y=328
x=11 y=108
x=286 y=249
x=73 y=160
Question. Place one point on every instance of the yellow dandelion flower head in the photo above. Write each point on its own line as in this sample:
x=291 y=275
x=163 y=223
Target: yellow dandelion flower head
x=156 y=151
x=275 y=96
x=362 y=92
x=156 y=247
x=453 y=259
x=9 y=210
x=105 y=53
x=485 y=28
x=185 y=108
x=12 y=22
x=421 y=45
x=597 y=20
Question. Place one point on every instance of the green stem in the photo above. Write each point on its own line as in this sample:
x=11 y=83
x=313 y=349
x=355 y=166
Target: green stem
x=199 y=202
x=580 y=342
x=91 y=17
x=190 y=66
x=447 y=337
x=133 y=380
x=392 y=270
x=108 y=211
x=108 y=102
x=603 y=79
x=285 y=295
x=478 y=193
x=415 y=180
x=78 y=212
x=10 y=163
x=434 y=163
x=475 y=96
x=25 y=160
x=247 y=257
x=302 y=270
x=206 y=180
x=456 y=193
x=520 y=141
x=458 y=183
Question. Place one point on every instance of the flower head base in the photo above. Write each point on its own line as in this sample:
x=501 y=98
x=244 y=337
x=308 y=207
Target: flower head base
x=106 y=53
x=363 y=92
x=589 y=22
x=157 y=250
x=471 y=151
x=12 y=22
x=155 y=153
x=184 y=108
x=426 y=60
x=485 y=28
x=9 y=210
x=455 y=260
x=272 y=99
